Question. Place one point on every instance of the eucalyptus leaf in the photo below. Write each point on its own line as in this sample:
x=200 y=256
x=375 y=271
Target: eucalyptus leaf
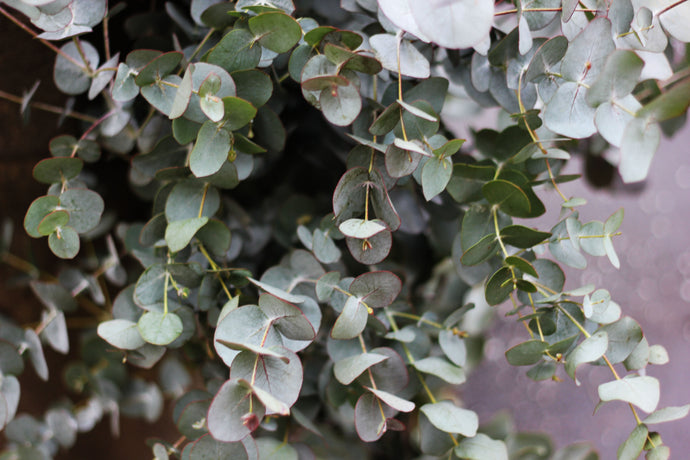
x=642 y=391
x=450 y=418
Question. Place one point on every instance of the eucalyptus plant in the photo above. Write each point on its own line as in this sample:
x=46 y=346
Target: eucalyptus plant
x=304 y=280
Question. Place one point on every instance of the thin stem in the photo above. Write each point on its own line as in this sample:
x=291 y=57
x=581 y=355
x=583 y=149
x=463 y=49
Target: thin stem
x=411 y=359
x=201 y=45
x=497 y=230
x=48 y=107
x=545 y=10
x=604 y=357
x=106 y=34
x=45 y=42
x=536 y=139
x=417 y=318
x=671 y=6
x=92 y=127
x=165 y=293
x=80 y=49
x=216 y=269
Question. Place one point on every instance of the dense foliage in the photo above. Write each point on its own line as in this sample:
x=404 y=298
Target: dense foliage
x=318 y=244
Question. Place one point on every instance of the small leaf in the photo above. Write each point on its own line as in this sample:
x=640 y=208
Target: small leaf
x=121 y=333
x=370 y=419
x=341 y=104
x=642 y=391
x=510 y=198
x=57 y=170
x=348 y=369
x=412 y=63
x=441 y=368
x=436 y=174
x=447 y=417
x=667 y=414
x=454 y=24
x=351 y=321
x=230 y=414
x=361 y=229
x=526 y=353
x=178 y=234
x=64 y=242
x=522 y=237
x=590 y=349
x=277 y=292
x=159 y=328
x=85 y=208
x=68 y=77
x=481 y=447
x=158 y=68
x=276 y=31
x=632 y=447
x=377 y=289
x=237 y=112
x=499 y=286
x=39 y=208
x=183 y=95
x=52 y=222
x=480 y=251
x=36 y=356
x=392 y=400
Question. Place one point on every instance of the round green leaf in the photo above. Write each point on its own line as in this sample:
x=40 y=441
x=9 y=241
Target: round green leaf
x=279 y=376
x=121 y=333
x=179 y=233
x=207 y=448
x=526 y=353
x=480 y=251
x=85 y=208
x=39 y=208
x=590 y=349
x=211 y=149
x=276 y=31
x=253 y=86
x=412 y=63
x=351 y=321
x=642 y=391
x=348 y=369
x=442 y=369
x=238 y=112
x=161 y=94
x=158 y=68
x=510 y=198
x=480 y=447
x=69 y=78
x=450 y=418
x=371 y=418
x=454 y=24
x=182 y=96
x=186 y=199
x=159 y=328
x=233 y=414
x=436 y=174
x=235 y=51
x=64 y=242
x=53 y=221
x=341 y=104
x=568 y=112
x=57 y=170
x=522 y=237
x=499 y=286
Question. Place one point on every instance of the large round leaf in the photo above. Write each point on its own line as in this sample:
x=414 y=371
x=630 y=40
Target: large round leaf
x=454 y=23
x=70 y=78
